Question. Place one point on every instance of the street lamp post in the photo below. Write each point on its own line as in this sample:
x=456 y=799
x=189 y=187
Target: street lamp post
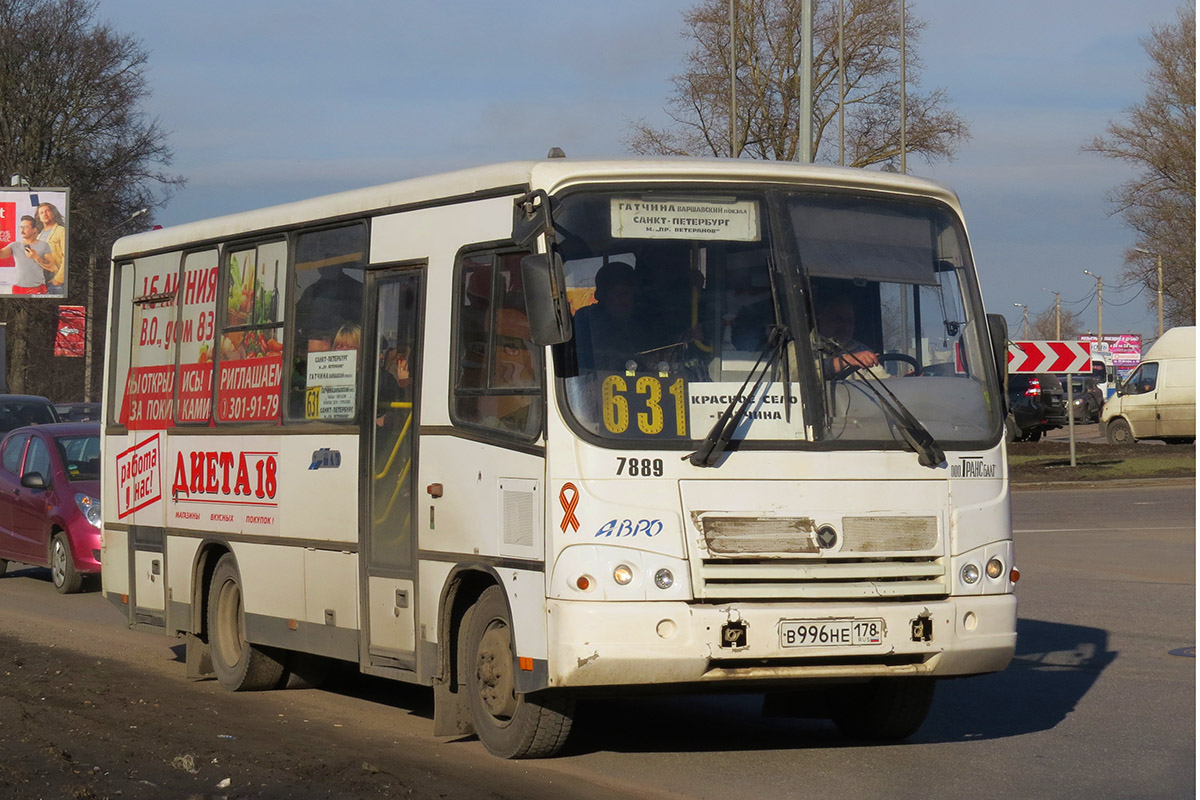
x=1160 y=286
x=1099 y=305
x=91 y=290
x=1057 y=312
x=1025 y=317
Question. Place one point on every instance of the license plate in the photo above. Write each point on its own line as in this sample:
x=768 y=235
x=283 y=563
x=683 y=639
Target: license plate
x=830 y=632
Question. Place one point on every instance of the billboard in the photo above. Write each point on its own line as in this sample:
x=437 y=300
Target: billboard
x=71 y=338
x=1126 y=348
x=33 y=242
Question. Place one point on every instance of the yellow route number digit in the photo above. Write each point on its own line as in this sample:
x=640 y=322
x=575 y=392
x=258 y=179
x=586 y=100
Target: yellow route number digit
x=652 y=405
x=312 y=403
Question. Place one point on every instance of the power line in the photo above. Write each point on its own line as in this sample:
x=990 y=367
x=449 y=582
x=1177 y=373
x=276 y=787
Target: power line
x=1130 y=300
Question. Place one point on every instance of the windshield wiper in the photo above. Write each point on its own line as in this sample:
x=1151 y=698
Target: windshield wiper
x=722 y=431
x=929 y=453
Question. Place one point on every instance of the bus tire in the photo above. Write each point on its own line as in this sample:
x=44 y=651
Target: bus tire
x=510 y=725
x=883 y=709
x=3 y=567
x=1118 y=432
x=305 y=671
x=66 y=579
x=239 y=665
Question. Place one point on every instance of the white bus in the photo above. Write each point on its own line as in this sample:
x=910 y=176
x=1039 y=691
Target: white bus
x=537 y=430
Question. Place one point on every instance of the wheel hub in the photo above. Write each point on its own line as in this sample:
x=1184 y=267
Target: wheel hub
x=494 y=671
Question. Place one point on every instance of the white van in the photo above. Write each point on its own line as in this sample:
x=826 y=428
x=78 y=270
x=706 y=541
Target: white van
x=1158 y=399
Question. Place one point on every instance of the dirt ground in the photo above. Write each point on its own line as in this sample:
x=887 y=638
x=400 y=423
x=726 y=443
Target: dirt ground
x=1050 y=461
x=83 y=728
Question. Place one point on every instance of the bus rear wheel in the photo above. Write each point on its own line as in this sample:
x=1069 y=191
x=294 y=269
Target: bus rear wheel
x=884 y=709
x=239 y=665
x=510 y=725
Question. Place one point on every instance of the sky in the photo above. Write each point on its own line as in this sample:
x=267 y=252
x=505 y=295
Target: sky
x=268 y=101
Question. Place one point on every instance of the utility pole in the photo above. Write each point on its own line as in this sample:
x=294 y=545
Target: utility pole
x=91 y=306
x=1025 y=315
x=841 y=83
x=806 y=83
x=733 y=149
x=1160 y=287
x=1057 y=313
x=903 y=98
x=1160 y=324
x=1099 y=305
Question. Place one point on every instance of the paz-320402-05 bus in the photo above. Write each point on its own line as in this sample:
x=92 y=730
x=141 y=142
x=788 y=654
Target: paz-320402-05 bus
x=537 y=430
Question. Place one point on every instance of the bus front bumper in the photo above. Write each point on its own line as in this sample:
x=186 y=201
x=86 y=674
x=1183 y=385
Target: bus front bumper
x=632 y=643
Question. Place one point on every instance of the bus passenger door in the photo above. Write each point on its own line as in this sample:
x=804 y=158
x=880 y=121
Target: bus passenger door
x=389 y=546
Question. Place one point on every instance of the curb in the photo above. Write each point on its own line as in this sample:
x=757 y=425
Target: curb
x=1113 y=483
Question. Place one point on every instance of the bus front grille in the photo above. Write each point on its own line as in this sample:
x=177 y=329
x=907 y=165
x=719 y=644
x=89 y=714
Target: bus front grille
x=822 y=580
x=732 y=535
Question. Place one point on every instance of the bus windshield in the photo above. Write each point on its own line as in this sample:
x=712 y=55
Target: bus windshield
x=674 y=297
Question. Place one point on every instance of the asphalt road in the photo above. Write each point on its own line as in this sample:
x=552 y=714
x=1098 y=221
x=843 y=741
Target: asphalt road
x=1098 y=703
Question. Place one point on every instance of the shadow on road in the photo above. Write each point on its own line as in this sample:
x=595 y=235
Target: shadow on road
x=1054 y=668
x=91 y=583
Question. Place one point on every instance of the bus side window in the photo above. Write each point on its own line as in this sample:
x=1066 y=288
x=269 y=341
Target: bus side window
x=250 y=314
x=497 y=369
x=328 y=317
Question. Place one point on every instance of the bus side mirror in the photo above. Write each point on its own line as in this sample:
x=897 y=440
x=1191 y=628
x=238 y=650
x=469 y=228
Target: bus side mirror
x=998 y=333
x=546 y=299
x=531 y=216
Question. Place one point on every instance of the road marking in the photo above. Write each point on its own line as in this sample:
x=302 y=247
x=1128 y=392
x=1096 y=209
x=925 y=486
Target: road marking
x=1094 y=530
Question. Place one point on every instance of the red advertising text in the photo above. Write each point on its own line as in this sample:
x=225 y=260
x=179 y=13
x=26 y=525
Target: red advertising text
x=226 y=476
x=138 y=477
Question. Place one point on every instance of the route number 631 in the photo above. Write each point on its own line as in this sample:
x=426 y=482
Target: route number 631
x=658 y=405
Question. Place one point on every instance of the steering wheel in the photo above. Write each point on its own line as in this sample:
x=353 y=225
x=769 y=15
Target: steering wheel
x=907 y=359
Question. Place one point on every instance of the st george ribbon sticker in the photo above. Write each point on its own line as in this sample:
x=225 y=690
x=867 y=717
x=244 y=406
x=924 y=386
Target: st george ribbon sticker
x=568 y=498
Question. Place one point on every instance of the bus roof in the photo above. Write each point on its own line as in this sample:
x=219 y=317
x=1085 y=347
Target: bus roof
x=550 y=175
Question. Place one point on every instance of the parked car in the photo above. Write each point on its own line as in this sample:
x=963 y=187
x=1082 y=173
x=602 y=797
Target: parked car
x=1035 y=405
x=50 y=500
x=1088 y=398
x=77 y=412
x=1158 y=399
x=18 y=410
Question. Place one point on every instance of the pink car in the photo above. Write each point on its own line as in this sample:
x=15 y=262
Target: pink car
x=50 y=500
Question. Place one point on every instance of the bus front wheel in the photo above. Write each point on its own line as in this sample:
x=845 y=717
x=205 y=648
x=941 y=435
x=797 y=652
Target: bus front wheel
x=239 y=665
x=884 y=709
x=509 y=724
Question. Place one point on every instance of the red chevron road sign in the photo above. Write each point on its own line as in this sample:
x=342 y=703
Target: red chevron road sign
x=1062 y=358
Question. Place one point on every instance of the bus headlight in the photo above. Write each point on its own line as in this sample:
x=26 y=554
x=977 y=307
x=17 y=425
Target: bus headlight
x=970 y=574
x=663 y=579
x=995 y=568
x=623 y=575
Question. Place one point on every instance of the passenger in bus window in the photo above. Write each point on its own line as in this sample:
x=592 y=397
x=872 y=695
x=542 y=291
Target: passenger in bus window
x=835 y=320
x=395 y=386
x=608 y=333
x=325 y=305
x=347 y=337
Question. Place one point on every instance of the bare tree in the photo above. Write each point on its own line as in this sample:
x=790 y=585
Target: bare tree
x=1045 y=325
x=768 y=100
x=1159 y=139
x=71 y=91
